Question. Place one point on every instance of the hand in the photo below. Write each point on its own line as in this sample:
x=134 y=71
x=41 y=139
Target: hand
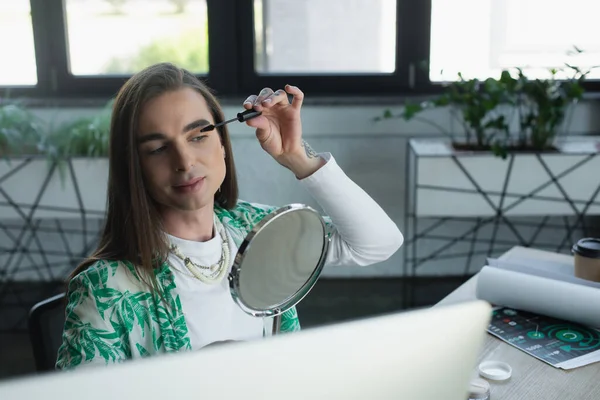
x=220 y=342
x=279 y=129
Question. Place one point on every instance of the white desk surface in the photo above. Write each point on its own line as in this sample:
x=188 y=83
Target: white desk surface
x=531 y=379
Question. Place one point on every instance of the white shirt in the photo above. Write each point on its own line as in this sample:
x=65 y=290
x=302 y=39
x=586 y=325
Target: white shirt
x=210 y=312
x=364 y=235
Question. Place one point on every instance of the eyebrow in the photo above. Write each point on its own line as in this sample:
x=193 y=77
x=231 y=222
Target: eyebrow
x=159 y=136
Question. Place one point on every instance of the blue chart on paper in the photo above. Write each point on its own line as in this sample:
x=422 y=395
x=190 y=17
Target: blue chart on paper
x=551 y=340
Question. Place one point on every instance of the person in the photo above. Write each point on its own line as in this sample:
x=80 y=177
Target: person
x=157 y=281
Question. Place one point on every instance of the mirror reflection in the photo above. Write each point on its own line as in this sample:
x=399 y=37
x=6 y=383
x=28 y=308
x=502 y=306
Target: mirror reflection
x=281 y=259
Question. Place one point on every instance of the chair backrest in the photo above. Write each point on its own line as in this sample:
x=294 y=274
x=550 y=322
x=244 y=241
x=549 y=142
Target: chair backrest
x=46 y=322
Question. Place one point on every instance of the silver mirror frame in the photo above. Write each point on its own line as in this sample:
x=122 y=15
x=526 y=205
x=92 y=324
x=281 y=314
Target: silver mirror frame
x=234 y=275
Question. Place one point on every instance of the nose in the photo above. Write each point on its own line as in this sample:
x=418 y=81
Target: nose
x=182 y=158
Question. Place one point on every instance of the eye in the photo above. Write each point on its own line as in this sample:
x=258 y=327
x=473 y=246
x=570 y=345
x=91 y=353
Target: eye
x=159 y=150
x=198 y=138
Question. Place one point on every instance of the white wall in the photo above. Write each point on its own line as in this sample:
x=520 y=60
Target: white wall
x=372 y=154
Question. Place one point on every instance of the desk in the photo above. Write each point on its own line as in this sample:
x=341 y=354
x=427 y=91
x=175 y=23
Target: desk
x=531 y=379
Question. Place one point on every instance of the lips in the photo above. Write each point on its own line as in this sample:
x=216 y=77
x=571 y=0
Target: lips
x=191 y=186
x=189 y=183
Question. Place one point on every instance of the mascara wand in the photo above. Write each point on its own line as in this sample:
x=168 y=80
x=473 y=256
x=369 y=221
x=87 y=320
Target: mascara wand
x=242 y=117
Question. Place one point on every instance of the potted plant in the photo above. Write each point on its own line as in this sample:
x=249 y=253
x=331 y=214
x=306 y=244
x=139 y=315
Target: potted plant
x=20 y=130
x=513 y=156
x=543 y=105
x=485 y=110
x=53 y=171
x=52 y=193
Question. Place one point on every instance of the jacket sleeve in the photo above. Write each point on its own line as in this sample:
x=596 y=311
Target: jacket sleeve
x=361 y=231
x=290 y=321
x=93 y=333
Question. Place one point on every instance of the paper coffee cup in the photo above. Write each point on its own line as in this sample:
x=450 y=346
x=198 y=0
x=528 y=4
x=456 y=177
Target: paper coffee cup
x=587 y=259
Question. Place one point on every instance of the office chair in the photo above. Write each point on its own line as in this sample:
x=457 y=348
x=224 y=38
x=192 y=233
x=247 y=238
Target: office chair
x=46 y=321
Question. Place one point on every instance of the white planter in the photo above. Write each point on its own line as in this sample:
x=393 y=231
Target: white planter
x=82 y=186
x=447 y=183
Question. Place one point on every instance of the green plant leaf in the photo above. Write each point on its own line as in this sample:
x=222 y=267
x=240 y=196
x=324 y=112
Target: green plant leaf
x=499 y=150
x=411 y=109
x=20 y=130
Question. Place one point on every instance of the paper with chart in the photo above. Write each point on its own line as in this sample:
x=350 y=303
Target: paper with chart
x=557 y=342
x=543 y=309
x=541 y=287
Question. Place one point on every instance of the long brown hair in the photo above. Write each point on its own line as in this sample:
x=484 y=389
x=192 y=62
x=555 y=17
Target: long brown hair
x=133 y=229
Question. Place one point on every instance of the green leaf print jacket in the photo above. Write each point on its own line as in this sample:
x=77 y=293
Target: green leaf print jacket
x=111 y=316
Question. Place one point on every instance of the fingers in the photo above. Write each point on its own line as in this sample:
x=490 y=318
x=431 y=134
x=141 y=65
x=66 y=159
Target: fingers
x=298 y=96
x=264 y=94
x=249 y=102
x=255 y=101
x=278 y=97
x=267 y=99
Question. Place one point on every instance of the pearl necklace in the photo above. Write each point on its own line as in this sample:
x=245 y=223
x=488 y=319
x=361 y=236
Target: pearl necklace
x=217 y=271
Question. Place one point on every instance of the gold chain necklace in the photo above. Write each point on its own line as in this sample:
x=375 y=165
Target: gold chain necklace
x=215 y=272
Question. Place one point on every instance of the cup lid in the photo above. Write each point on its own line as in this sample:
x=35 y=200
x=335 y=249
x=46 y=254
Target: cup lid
x=479 y=389
x=495 y=370
x=587 y=247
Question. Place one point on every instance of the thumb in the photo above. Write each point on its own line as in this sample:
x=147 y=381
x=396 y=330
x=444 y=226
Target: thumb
x=263 y=128
x=260 y=122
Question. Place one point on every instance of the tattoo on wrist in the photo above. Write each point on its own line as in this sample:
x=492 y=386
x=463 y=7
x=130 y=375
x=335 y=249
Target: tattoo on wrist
x=310 y=153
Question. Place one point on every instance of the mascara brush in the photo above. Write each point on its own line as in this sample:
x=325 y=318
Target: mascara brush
x=242 y=117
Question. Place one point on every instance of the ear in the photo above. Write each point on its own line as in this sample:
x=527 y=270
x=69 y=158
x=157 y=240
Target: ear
x=224 y=153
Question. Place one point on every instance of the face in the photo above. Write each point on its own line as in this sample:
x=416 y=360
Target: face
x=182 y=167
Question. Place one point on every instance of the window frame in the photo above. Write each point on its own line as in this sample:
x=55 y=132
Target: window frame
x=231 y=58
x=43 y=52
x=73 y=86
x=501 y=9
x=412 y=45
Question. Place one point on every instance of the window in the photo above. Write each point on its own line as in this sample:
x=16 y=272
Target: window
x=18 y=65
x=492 y=36
x=89 y=48
x=334 y=36
x=120 y=37
x=331 y=47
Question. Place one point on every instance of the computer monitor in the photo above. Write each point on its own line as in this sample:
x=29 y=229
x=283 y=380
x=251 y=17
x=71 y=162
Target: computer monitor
x=429 y=354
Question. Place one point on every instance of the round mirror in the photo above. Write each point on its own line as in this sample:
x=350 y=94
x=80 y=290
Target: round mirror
x=279 y=261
